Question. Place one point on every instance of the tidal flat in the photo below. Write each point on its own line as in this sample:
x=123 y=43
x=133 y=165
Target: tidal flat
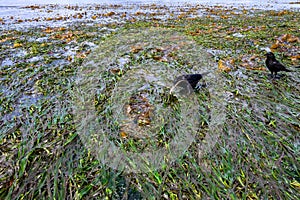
x=255 y=154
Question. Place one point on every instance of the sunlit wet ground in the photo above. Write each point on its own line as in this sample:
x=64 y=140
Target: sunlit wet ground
x=25 y=14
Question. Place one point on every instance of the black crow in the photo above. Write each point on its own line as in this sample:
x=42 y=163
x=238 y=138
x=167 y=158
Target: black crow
x=274 y=65
x=192 y=79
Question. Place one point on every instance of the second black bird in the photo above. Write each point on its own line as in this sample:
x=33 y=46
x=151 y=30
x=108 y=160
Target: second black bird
x=274 y=65
x=192 y=79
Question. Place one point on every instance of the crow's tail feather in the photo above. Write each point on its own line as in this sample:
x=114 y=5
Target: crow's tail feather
x=288 y=70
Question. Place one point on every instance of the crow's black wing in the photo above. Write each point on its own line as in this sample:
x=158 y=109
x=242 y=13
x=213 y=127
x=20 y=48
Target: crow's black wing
x=278 y=66
x=193 y=79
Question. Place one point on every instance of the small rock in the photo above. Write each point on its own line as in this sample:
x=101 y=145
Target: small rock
x=238 y=35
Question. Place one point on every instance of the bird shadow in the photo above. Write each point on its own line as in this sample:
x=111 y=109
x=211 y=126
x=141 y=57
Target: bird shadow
x=276 y=77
